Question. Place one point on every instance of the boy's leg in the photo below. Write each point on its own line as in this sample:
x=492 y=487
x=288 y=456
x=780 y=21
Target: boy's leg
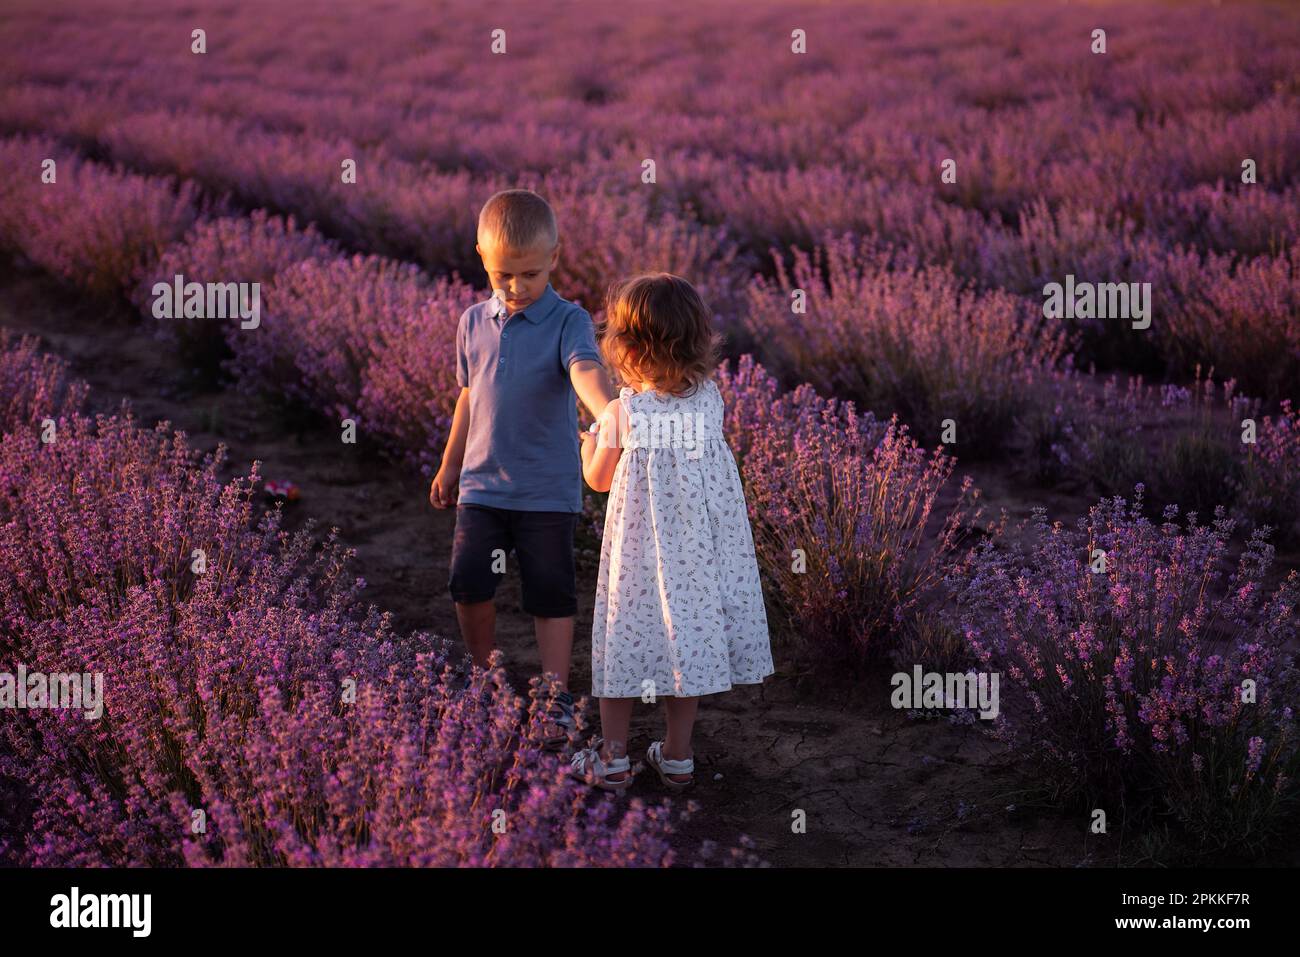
x=544 y=546
x=681 y=723
x=480 y=531
x=615 y=727
x=555 y=646
x=478 y=629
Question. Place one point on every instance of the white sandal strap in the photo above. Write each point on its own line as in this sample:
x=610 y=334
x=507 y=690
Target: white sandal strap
x=671 y=765
x=590 y=758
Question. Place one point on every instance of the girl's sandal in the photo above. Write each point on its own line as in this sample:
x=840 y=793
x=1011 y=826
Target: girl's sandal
x=665 y=766
x=588 y=766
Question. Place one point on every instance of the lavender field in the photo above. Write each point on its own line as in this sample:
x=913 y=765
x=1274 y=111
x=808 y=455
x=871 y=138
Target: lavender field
x=1011 y=303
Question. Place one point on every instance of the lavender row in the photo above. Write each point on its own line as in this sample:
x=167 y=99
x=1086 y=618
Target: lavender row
x=1202 y=301
x=1044 y=119
x=891 y=336
x=1214 y=254
x=408 y=211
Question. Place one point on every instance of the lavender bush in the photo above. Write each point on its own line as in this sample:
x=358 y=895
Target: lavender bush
x=92 y=226
x=1127 y=686
x=364 y=338
x=34 y=386
x=840 y=506
x=1183 y=443
x=395 y=208
x=1268 y=490
x=897 y=338
x=1236 y=314
x=248 y=249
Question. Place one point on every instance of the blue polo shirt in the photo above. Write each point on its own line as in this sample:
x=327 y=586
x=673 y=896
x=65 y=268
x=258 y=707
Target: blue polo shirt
x=522 y=450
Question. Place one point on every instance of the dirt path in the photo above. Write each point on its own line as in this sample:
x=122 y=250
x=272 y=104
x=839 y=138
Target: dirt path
x=876 y=787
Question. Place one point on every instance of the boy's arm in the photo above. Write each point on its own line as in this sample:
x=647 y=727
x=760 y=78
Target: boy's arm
x=587 y=373
x=442 y=493
x=589 y=381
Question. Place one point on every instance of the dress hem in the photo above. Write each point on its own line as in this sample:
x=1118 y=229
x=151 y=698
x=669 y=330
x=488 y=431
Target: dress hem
x=696 y=694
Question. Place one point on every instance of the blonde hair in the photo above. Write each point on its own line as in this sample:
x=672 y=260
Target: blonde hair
x=656 y=328
x=517 y=221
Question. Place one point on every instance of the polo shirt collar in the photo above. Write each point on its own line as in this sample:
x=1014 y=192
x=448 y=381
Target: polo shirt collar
x=539 y=310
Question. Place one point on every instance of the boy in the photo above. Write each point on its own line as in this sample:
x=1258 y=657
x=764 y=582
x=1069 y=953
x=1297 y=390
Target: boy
x=512 y=466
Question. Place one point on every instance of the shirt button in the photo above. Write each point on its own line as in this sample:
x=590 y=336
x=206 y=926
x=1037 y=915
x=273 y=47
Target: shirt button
x=502 y=359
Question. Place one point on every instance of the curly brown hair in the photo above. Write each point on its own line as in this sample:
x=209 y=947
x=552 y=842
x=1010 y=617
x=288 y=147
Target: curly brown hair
x=657 y=329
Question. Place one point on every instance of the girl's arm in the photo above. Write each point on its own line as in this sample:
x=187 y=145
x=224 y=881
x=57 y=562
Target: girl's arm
x=601 y=452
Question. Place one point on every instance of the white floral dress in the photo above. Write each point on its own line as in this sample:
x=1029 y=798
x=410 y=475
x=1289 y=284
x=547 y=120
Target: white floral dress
x=678 y=600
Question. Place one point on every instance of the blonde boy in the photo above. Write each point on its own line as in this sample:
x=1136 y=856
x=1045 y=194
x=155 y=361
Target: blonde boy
x=512 y=466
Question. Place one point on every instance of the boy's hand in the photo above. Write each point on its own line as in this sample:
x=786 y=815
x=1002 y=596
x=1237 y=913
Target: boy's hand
x=442 y=493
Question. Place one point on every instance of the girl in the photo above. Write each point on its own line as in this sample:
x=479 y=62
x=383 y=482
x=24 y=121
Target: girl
x=679 y=610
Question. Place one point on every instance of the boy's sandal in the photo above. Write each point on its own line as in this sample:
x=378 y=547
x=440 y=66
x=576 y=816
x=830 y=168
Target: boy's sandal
x=560 y=717
x=588 y=765
x=665 y=766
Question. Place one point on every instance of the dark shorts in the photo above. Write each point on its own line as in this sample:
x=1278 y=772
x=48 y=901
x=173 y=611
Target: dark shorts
x=543 y=546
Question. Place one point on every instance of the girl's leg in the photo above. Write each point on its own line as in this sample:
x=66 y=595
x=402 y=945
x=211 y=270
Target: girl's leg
x=681 y=722
x=615 y=726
